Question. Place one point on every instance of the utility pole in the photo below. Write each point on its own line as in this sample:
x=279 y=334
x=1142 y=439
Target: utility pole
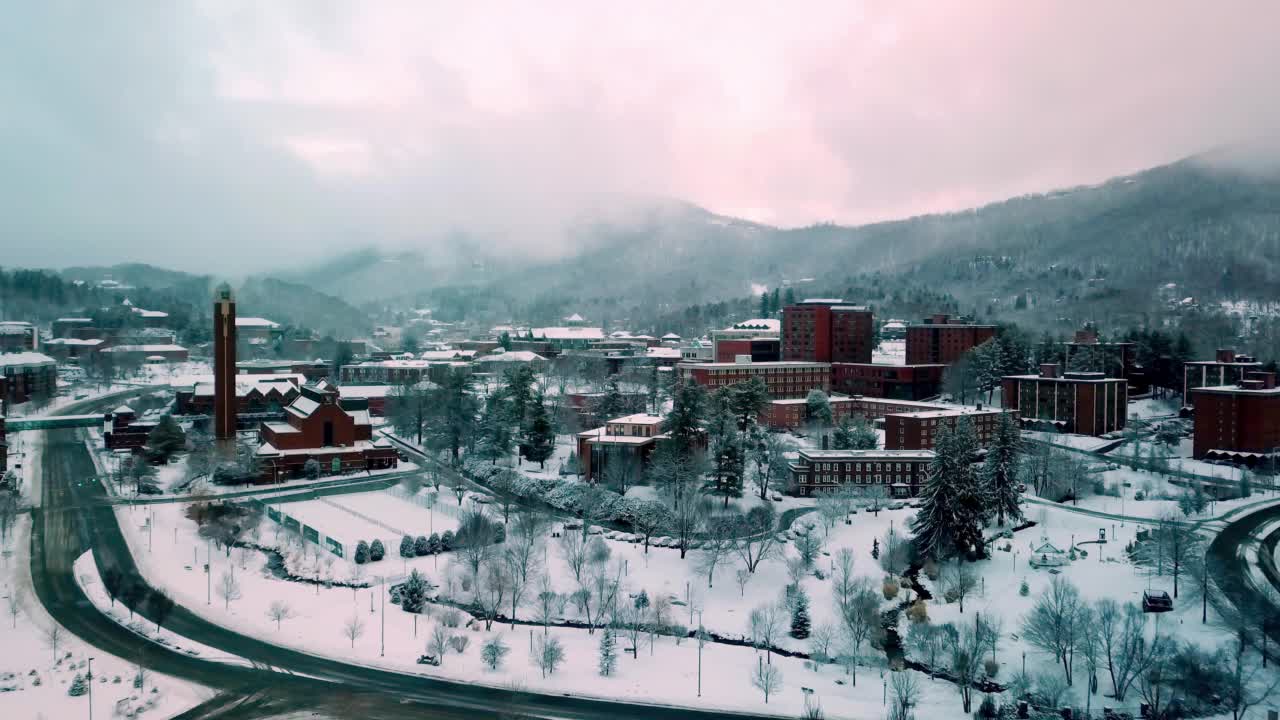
x=383 y=593
x=702 y=639
x=90 y=680
x=208 y=571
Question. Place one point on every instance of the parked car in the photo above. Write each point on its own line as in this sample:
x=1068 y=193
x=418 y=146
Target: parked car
x=1156 y=601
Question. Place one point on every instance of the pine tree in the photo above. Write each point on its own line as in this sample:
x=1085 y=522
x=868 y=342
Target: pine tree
x=684 y=422
x=362 y=552
x=800 y=614
x=422 y=546
x=747 y=399
x=613 y=404
x=875 y=548
x=539 y=439
x=952 y=504
x=78 y=686
x=376 y=551
x=495 y=431
x=818 y=408
x=790 y=297
x=406 y=547
x=413 y=594
x=608 y=652
x=166 y=438
x=1000 y=472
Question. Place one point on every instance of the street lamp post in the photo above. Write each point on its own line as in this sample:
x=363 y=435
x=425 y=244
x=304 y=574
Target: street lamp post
x=90 y=680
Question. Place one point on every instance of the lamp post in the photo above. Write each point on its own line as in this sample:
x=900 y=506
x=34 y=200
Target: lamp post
x=90 y=681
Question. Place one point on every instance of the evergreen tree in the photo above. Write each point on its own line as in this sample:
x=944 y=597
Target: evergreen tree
x=854 y=434
x=875 y=548
x=951 y=503
x=764 y=305
x=747 y=400
x=454 y=418
x=789 y=298
x=495 y=431
x=413 y=594
x=776 y=301
x=684 y=422
x=362 y=552
x=608 y=652
x=818 y=408
x=726 y=447
x=655 y=390
x=504 y=340
x=376 y=551
x=613 y=404
x=539 y=438
x=406 y=547
x=422 y=546
x=519 y=393
x=800 y=614
x=570 y=466
x=78 y=686
x=166 y=438
x=1000 y=472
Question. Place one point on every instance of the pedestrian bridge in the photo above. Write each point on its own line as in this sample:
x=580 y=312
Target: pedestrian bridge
x=53 y=422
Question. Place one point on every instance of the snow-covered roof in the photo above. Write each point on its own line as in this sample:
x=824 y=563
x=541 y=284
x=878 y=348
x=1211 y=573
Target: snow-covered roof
x=770 y=324
x=663 y=352
x=144 y=349
x=25 y=359
x=150 y=313
x=1048 y=548
x=245 y=384
x=365 y=391
x=447 y=354
x=638 y=419
x=73 y=341
x=512 y=356
x=568 y=333
x=123 y=410
x=868 y=454
x=575 y=318
x=256 y=322
x=671 y=336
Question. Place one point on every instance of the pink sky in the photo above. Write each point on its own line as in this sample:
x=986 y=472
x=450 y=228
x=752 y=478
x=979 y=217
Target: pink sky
x=422 y=116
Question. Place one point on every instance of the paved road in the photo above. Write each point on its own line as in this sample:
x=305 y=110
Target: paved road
x=76 y=516
x=1229 y=556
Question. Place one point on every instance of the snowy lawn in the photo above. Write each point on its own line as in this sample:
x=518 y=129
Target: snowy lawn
x=319 y=618
x=34 y=680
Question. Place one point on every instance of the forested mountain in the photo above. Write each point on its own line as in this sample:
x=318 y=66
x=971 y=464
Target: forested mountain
x=301 y=306
x=1103 y=253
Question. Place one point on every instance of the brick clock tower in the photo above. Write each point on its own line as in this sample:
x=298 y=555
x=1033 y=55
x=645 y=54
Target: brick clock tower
x=224 y=363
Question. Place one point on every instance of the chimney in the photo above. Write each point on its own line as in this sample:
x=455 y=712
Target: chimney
x=1226 y=355
x=1086 y=336
x=1049 y=370
x=1268 y=379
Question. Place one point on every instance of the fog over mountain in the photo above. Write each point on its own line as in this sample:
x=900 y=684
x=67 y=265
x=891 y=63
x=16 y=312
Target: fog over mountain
x=233 y=137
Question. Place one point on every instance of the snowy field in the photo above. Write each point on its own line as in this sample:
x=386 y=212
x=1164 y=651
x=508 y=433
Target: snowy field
x=34 y=680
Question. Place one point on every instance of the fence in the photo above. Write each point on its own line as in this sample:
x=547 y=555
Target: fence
x=308 y=533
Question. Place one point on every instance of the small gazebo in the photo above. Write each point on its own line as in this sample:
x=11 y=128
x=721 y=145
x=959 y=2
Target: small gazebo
x=1046 y=554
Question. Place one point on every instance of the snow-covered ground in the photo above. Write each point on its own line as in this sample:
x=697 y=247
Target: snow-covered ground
x=34 y=680
x=665 y=673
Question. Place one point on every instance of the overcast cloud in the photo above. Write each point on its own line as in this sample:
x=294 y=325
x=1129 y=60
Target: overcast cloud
x=234 y=136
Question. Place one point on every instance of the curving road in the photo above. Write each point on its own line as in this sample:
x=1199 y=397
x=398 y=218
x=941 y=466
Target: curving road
x=76 y=515
x=1229 y=557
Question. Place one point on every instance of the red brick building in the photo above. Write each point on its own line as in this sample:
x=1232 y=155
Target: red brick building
x=17 y=336
x=1086 y=403
x=918 y=430
x=900 y=382
x=899 y=473
x=122 y=431
x=1227 y=368
x=939 y=339
x=758 y=338
x=1239 y=422
x=252 y=395
x=827 y=330
x=784 y=379
x=316 y=426
x=27 y=375
x=793 y=413
x=224 y=363
x=636 y=435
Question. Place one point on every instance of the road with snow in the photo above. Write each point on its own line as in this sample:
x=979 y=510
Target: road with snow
x=76 y=515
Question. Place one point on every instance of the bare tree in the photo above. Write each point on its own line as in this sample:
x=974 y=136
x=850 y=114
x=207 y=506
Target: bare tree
x=843 y=579
x=13 y=605
x=966 y=664
x=1122 y=633
x=767 y=679
x=717 y=543
x=522 y=554
x=491 y=589
x=54 y=635
x=1172 y=547
x=929 y=641
x=438 y=643
x=766 y=625
x=547 y=601
x=279 y=611
x=1248 y=683
x=895 y=553
x=958 y=582
x=548 y=653
x=859 y=617
x=353 y=628
x=758 y=541
x=1089 y=646
x=742 y=577
x=228 y=588
x=1052 y=623
x=573 y=547
x=904 y=689
x=808 y=547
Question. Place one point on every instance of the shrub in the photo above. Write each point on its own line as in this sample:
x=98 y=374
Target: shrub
x=406 y=547
x=451 y=618
x=459 y=643
x=991 y=667
x=78 y=686
x=1024 y=589
x=446 y=541
x=376 y=551
x=930 y=569
x=311 y=469
x=988 y=708
x=362 y=552
x=918 y=612
x=890 y=588
x=422 y=546
x=433 y=544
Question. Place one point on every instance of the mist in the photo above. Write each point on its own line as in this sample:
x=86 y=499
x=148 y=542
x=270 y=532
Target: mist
x=235 y=137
